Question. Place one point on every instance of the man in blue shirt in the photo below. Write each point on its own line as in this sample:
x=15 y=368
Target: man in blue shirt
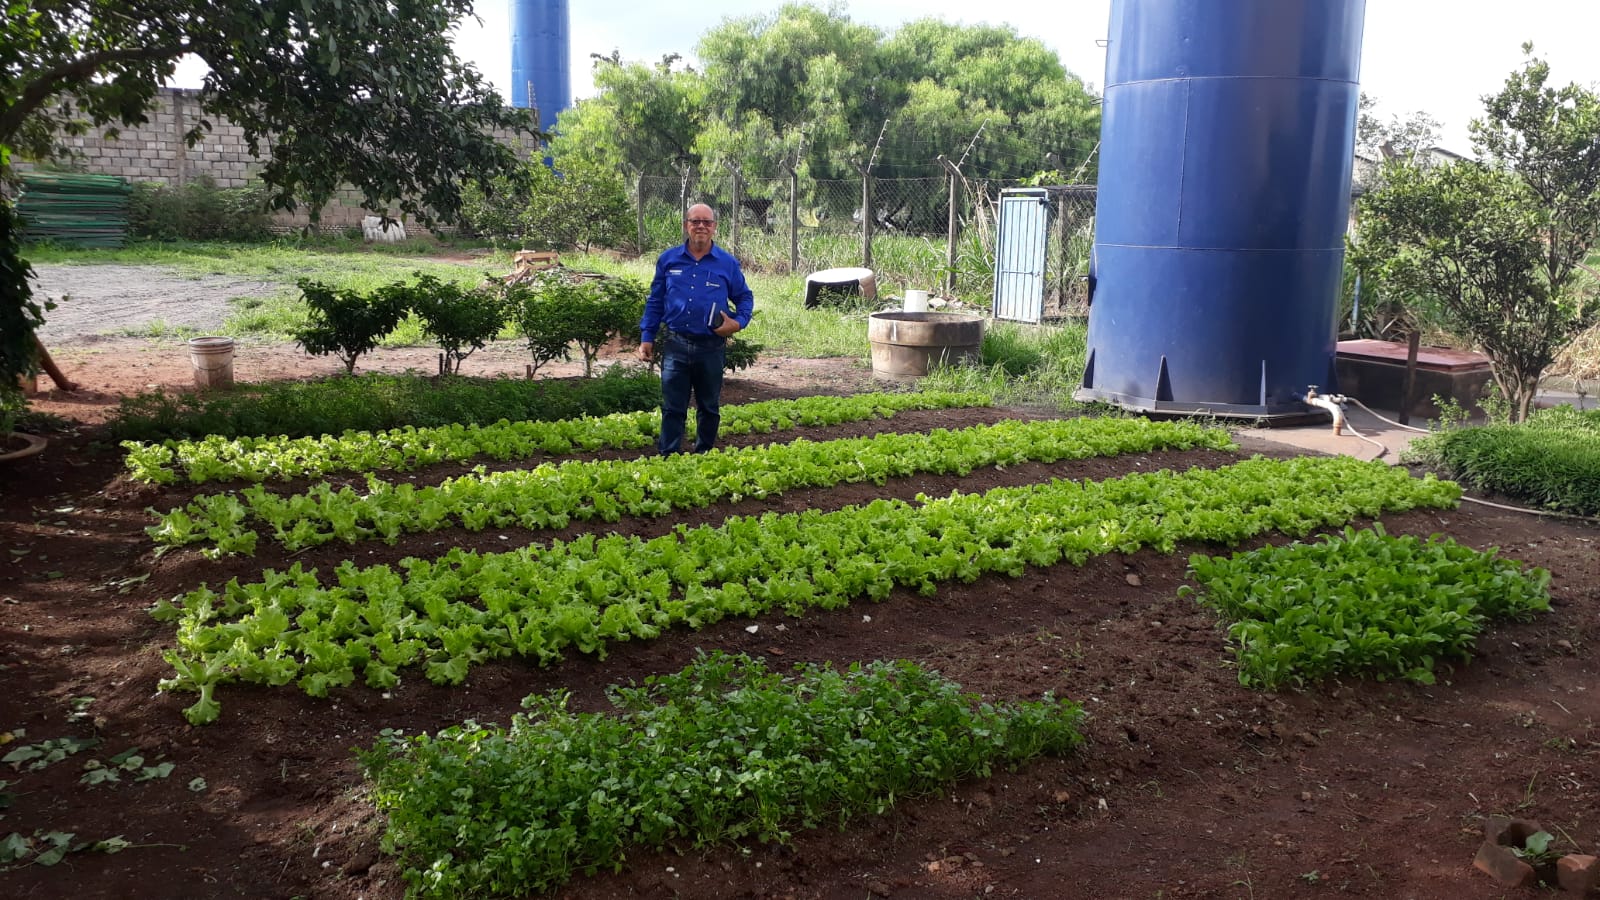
x=700 y=297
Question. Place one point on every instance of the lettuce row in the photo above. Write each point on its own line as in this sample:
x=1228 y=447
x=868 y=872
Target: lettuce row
x=404 y=449
x=537 y=602
x=552 y=495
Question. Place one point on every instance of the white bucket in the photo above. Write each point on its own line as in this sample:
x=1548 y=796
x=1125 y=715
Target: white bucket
x=916 y=301
x=212 y=358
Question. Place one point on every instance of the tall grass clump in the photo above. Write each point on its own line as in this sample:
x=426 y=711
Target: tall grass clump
x=1551 y=461
x=1022 y=364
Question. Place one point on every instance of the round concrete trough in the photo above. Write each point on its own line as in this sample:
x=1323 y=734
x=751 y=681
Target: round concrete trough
x=908 y=344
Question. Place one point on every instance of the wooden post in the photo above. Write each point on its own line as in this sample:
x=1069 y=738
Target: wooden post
x=738 y=198
x=794 y=220
x=866 y=217
x=640 y=214
x=954 y=227
x=1407 y=396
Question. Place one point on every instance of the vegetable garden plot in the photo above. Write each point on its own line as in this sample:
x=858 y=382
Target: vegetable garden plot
x=401 y=450
x=550 y=495
x=535 y=603
x=722 y=751
x=1361 y=603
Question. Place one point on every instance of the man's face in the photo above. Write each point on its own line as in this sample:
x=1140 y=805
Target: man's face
x=700 y=226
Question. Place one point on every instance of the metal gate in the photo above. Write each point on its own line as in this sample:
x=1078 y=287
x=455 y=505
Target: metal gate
x=1019 y=256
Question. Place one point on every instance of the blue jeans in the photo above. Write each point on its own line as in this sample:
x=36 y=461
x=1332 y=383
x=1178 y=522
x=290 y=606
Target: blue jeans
x=691 y=364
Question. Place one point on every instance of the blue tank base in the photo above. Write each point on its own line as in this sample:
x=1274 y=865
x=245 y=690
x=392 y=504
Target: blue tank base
x=1292 y=412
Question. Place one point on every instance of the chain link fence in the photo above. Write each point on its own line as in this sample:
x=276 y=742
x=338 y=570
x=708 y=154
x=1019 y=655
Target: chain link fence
x=922 y=232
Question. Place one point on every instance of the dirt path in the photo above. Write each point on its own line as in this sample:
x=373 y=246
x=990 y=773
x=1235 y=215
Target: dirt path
x=109 y=300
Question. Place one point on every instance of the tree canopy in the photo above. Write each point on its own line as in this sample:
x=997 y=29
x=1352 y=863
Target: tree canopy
x=1494 y=243
x=1399 y=136
x=361 y=92
x=807 y=86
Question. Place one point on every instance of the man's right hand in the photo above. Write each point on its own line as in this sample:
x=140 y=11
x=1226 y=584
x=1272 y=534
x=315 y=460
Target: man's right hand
x=647 y=349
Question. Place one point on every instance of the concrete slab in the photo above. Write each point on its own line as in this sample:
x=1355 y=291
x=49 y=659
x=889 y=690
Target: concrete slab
x=1319 y=438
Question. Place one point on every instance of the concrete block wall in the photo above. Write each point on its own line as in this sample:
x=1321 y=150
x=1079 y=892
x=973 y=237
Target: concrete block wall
x=155 y=151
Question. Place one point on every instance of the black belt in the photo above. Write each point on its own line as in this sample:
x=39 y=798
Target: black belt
x=700 y=339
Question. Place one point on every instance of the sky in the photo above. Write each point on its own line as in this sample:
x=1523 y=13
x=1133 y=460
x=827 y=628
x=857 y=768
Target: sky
x=1435 y=56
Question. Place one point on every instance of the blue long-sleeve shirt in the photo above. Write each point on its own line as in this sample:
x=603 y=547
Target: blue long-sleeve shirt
x=686 y=293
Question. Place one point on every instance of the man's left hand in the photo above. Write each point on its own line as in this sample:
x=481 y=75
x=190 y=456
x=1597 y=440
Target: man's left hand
x=728 y=327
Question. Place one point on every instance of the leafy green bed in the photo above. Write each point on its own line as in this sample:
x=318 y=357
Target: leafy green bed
x=375 y=403
x=723 y=751
x=220 y=458
x=1364 y=603
x=550 y=495
x=1551 y=461
x=535 y=602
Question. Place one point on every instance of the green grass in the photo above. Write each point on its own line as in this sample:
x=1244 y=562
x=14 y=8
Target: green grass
x=160 y=330
x=1023 y=364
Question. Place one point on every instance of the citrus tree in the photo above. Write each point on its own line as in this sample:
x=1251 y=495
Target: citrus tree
x=1493 y=245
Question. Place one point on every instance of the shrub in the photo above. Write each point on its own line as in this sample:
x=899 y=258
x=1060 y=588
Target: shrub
x=554 y=312
x=12 y=405
x=348 y=323
x=460 y=320
x=198 y=211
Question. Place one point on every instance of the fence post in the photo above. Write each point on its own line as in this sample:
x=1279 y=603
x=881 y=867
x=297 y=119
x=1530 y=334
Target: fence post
x=640 y=214
x=794 y=219
x=954 y=174
x=683 y=190
x=866 y=217
x=738 y=198
x=866 y=198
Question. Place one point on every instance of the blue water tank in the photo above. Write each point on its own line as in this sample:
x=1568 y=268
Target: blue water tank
x=1226 y=142
x=541 y=58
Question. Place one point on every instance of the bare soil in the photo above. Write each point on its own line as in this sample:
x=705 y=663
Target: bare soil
x=1190 y=785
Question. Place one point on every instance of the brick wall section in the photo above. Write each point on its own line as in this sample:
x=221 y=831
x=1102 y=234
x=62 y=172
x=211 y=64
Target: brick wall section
x=155 y=151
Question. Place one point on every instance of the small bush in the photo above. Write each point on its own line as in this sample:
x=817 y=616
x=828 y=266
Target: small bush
x=1364 y=603
x=554 y=312
x=349 y=323
x=376 y=402
x=199 y=211
x=460 y=320
x=13 y=404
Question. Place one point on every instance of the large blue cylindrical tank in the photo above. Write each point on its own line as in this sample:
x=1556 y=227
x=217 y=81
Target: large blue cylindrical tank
x=541 y=58
x=1226 y=144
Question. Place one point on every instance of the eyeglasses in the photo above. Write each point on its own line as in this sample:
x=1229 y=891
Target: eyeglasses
x=701 y=221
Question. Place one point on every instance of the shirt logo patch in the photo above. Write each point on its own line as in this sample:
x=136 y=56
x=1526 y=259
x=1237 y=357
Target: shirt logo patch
x=674 y=271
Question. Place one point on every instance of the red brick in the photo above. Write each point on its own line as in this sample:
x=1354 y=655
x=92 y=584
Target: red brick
x=1578 y=873
x=1503 y=866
